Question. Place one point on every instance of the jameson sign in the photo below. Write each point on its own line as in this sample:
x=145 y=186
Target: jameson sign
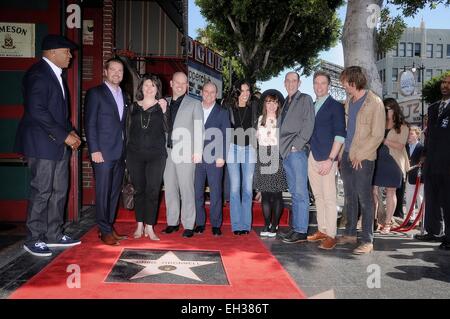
x=16 y=40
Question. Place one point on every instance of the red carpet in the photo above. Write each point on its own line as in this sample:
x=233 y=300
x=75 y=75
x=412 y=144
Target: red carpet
x=125 y=215
x=251 y=270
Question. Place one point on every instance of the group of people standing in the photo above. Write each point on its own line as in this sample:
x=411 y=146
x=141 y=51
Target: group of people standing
x=382 y=150
x=272 y=146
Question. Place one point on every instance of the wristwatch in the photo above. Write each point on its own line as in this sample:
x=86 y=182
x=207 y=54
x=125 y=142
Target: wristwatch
x=331 y=158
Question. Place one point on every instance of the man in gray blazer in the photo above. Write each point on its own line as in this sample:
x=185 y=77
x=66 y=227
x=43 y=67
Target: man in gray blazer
x=184 y=149
x=296 y=124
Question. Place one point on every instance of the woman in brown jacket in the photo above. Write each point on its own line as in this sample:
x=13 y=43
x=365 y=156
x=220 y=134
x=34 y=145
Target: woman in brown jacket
x=392 y=160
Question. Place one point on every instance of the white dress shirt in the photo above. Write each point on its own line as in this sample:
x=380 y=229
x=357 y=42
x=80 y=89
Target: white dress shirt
x=412 y=148
x=206 y=113
x=444 y=104
x=57 y=70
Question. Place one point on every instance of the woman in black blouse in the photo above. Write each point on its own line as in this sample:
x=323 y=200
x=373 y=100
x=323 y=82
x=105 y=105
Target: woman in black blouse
x=146 y=152
x=241 y=158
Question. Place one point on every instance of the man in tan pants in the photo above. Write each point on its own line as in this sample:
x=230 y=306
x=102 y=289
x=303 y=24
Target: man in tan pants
x=327 y=139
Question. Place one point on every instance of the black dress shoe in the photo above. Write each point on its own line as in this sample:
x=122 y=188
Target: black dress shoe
x=216 y=231
x=237 y=232
x=283 y=235
x=199 y=229
x=295 y=238
x=188 y=233
x=244 y=232
x=171 y=229
x=428 y=237
x=444 y=246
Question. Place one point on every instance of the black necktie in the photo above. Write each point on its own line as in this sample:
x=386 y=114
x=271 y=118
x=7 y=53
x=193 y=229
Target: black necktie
x=441 y=108
x=170 y=124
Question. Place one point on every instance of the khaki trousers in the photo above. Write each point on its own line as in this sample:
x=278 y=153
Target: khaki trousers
x=324 y=190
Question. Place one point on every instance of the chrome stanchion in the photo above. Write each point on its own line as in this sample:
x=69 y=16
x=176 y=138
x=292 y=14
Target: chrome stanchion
x=422 y=220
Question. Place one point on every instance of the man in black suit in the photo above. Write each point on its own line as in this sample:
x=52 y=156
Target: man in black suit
x=414 y=150
x=437 y=168
x=216 y=122
x=105 y=117
x=44 y=136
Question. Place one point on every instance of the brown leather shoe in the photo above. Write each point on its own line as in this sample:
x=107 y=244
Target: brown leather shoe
x=328 y=244
x=109 y=239
x=364 y=248
x=117 y=236
x=317 y=236
x=342 y=240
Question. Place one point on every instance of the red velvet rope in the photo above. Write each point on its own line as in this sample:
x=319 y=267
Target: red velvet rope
x=402 y=228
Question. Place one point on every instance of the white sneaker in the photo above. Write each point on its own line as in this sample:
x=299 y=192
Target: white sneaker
x=38 y=249
x=265 y=232
x=272 y=232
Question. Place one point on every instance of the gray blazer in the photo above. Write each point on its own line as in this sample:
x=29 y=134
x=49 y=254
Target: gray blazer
x=298 y=124
x=189 y=117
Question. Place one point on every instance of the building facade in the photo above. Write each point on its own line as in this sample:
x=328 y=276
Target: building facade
x=150 y=36
x=421 y=52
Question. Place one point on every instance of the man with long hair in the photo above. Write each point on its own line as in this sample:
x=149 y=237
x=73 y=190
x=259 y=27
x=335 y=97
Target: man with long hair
x=366 y=120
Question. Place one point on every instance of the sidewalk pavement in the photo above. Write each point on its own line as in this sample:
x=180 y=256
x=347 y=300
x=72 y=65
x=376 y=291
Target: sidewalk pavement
x=399 y=267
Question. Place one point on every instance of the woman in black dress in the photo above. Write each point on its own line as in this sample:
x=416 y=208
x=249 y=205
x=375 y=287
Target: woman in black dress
x=269 y=177
x=146 y=152
x=392 y=160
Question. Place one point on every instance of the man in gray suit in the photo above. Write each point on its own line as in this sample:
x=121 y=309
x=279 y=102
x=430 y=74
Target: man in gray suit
x=184 y=149
x=296 y=125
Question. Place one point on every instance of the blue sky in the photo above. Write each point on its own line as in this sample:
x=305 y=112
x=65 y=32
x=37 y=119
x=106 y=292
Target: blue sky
x=434 y=19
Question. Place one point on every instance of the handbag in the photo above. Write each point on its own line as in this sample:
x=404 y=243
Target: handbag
x=128 y=192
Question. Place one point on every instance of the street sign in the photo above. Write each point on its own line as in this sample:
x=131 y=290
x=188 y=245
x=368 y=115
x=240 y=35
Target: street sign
x=407 y=83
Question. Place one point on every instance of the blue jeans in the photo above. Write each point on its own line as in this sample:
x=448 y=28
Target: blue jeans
x=296 y=167
x=358 y=190
x=241 y=158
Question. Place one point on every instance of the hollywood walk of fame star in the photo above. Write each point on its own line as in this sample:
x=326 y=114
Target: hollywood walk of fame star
x=167 y=263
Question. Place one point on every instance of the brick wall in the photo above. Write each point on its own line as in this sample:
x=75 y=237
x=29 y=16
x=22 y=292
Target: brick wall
x=88 y=184
x=107 y=52
x=108 y=29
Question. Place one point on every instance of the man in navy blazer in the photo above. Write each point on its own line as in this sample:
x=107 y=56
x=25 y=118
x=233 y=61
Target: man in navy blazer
x=44 y=136
x=216 y=122
x=105 y=118
x=326 y=142
x=414 y=149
